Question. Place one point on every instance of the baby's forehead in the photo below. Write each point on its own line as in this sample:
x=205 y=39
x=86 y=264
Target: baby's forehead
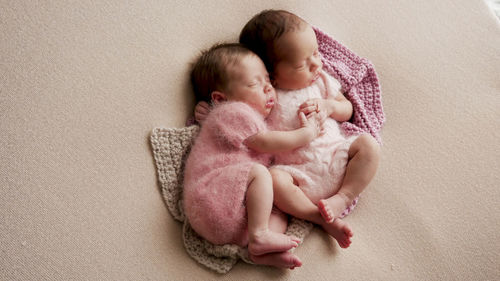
x=230 y=62
x=245 y=63
x=241 y=60
x=295 y=44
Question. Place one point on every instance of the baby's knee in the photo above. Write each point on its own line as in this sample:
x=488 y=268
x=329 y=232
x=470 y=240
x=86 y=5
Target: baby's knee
x=259 y=170
x=369 y=147
x=280 y=177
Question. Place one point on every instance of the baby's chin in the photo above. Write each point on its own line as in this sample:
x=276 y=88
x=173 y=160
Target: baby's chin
x=297 y=86
x=305 y=83
x=267 y=113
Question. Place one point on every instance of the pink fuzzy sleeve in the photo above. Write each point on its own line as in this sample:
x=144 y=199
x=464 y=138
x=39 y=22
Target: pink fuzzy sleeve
x=233 y=122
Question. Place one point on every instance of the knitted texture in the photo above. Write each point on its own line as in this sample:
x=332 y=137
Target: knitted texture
x=217 y=171
x=170 y=149
x=359 y=84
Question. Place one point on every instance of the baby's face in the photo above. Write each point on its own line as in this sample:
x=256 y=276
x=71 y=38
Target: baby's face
x=249 y=83
x=299 y=63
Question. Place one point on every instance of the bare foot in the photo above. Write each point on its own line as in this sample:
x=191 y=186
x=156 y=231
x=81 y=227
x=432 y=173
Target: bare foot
x=340 y=230
x=325 y=211
x=283 y=259
x=332 y=207
x=267 y=241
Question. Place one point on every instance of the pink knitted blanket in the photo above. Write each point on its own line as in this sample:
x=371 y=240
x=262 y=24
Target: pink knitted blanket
x=359 y=84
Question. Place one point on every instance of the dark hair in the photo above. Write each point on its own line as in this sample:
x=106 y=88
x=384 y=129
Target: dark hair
x=209 y=72
x=262 y=31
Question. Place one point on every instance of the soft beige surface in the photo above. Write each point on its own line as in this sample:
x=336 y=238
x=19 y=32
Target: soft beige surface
x=82 y=83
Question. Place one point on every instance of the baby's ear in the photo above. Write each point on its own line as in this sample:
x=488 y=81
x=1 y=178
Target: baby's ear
x=218 y=97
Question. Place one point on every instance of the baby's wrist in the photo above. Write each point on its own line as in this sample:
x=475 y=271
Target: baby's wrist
x=311 y=133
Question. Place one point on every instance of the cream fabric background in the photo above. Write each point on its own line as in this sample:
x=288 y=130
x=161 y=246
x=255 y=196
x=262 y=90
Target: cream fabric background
x=82 y=83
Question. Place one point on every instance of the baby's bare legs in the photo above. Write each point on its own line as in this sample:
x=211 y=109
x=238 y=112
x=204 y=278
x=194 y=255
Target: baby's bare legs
x=259 y=203
x=278 y=223
x=363 y=161
x=289 y=198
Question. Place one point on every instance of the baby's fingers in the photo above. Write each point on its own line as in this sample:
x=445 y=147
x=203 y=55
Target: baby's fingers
x=201 y=111
x=322 y=116
x=309 y=106
x=308 y=109
x=203 y=107
x=302 y=117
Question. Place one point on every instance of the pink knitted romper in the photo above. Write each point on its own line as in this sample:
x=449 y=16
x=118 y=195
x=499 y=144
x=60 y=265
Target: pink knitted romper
x=216 y=173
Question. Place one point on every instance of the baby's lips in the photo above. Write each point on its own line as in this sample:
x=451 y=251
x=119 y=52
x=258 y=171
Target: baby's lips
x=270 y=103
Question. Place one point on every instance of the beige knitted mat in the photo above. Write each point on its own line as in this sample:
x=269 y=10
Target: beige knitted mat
x=170 y=149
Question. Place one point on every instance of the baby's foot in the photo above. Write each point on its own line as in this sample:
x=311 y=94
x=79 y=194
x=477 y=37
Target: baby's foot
x=267 y=241
x=332 y=207
x=283 y=259
x=325 y=211
x=341 y=231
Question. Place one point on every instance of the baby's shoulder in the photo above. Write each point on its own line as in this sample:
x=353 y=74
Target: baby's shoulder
x=227 y=110
x=234 y=113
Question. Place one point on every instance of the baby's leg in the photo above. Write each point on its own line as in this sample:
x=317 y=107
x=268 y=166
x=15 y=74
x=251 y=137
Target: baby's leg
x=292 y=200
x=364 y=155
x=283 y=259
x=340 y=230
x=259 y=203
x=289 y=198
x=278 y=221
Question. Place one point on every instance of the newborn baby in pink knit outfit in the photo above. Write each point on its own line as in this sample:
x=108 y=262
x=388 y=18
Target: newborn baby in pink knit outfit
x=228 y=191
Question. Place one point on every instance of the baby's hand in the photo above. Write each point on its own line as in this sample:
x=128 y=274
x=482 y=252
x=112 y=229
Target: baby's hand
x=314 y=122
x=314 y=105
x=201 y=111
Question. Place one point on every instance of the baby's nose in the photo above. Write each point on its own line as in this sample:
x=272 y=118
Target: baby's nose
x=314 y=66
x=268 y=88
x=315 y=63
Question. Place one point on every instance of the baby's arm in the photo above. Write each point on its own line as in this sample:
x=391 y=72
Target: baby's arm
x=338 y=107
x=282 y=141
